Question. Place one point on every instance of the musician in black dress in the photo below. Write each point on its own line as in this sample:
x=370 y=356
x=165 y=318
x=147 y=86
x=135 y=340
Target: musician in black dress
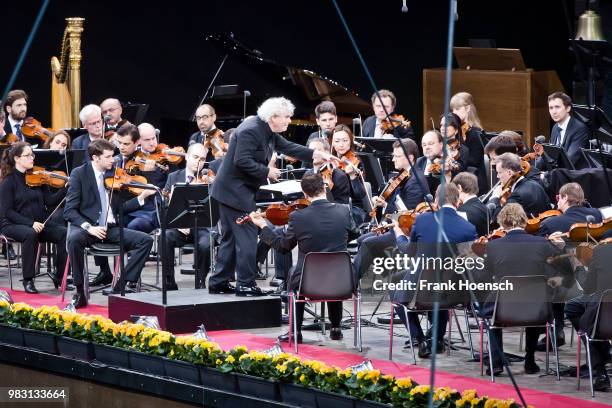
x=244 y=169
x=23 y=210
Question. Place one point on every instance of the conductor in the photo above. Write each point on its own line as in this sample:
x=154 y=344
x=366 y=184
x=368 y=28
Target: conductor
x=244 y=170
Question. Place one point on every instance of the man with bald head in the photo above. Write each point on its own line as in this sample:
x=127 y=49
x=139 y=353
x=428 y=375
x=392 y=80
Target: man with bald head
x=111 y=110
x=205 y=118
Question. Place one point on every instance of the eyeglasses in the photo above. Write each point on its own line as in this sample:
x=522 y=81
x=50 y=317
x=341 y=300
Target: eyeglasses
x=96 y=123
x=32 y=155
x=109 y=110
x=203 y=117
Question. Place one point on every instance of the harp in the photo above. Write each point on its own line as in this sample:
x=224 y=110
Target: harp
x=66 y=77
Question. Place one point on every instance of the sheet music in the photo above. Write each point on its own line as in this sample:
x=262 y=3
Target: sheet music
x=284 y=187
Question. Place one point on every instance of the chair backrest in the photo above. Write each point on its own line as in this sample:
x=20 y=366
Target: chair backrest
x=327 y=275
x=527 y=304
x=447 y=297
x=602 y=329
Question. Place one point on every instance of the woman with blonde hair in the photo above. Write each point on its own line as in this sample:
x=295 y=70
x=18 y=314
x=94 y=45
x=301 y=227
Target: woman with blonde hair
x=462 y=105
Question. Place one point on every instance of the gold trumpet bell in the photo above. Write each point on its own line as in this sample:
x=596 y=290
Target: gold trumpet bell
x=589 y=27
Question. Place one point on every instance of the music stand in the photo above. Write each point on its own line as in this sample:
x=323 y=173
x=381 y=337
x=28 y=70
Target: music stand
x=382 y=148
x=373 y=171
x=191 y=206
x=597 y=159
x=63 y=160
x=555 y=156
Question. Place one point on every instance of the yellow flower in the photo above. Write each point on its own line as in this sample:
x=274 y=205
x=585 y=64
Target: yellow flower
x=230 y=359
x=302 y=378
x=419 y=389
x=405 y=382
x=361 y=374
x=373 y=375
x=281 y=368
x=218 y=362
x=4 y=303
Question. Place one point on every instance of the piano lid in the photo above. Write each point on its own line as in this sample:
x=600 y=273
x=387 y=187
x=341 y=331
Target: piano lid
x=304 y=88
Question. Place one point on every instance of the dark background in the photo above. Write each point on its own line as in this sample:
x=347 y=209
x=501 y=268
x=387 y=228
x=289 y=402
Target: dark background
x=149 y=53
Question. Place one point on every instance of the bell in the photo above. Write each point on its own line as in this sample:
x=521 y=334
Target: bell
x=589 y=27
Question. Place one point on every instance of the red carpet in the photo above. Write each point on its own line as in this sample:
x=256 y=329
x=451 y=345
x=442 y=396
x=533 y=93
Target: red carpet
x=230 y=338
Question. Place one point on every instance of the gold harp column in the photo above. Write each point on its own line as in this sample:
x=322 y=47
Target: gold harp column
x=75 y=28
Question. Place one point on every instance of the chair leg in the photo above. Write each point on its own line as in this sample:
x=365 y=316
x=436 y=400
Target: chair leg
x=578 y=344
x=469 y=332
x=480 y=327
x=358 y=323
x=322 y=322
x=116 y=271
x=65 y=277
x=554 y=339
x=521 y=337
x=391 y=333
x=295 y=329
x=588 y=349
x=291 y=311
x=547 y=346
x=458 y=326
x=450 y=327
x=490 y=355
x=86 y=276
x=409 y=334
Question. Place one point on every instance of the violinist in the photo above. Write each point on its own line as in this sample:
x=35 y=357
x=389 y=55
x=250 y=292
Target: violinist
x=335 y=179
x=177 y=238
x=148 y=144
x=430 y=164
x=205 y=119
x=515 y=188
x=91 y=119
x=92 y=212
x=571 y=202
x=23 y=210
x=16 y=108
x=409 y=194
x=320 y=227
x=111 y=113
x=458 y=152
x=372 y=126
x=476 y=211
x=58 y=141
x=326 y=119
x=594 y=278
x=517 y=254
x=505 y=142
x=462 y=105
x=143 y=218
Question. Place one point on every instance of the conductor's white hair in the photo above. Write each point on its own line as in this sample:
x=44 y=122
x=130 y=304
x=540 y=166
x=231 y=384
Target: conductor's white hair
x=275 y=107
x=89 y=110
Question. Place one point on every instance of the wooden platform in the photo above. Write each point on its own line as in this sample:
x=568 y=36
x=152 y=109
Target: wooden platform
x=188 y=308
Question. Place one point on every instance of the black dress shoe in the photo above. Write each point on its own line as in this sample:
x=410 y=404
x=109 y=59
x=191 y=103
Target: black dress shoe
x=531 y=367
x=250 y=291
x=79 y=300
x=601 y=382
x=11 y=252
x=542 y=344
x=284 y=338
x=103 y=278
x=441 y=346
x=225 y=287
x=497 y=371
x=424 y=348
x=335 y=333
x=411 y=343
x=117 y=291
x=28 y=286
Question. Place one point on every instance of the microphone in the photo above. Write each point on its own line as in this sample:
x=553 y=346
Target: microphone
x=429 y=198
x=404 y=7
x=157 y=132
x=247 y=93
x=590 y=219
x=540 y=139
x=106 y=118
x=289 y=169
x=490 y=210
x=360 y=146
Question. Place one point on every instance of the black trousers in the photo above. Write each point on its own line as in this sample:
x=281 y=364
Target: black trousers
x=581 y=312
x=415 y=325
x=371 y=246
x=334 y=310
x=237 y=242
x=176 y=239
x=282 y=260
x=29 y=239
x=137 y=243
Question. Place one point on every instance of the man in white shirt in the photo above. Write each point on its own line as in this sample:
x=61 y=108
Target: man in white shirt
x=16 y=107
x=568 y=133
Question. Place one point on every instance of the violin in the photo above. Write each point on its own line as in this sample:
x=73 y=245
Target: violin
x=405 y=221
x=393 y=121
x=122 y=177
x=583 y=252
x=394 y=184
x=278 y=214
x=38 y=176
x=480 y=245
x=507 y=187
x=215 y=142
x=538 y=151
x=327 y=174
x=582 y=231
x=207 y=178
x=165 y=154
x=138 y=162
x=33 y=129
x=9 y=139
x=350 y=159
x=533 y=224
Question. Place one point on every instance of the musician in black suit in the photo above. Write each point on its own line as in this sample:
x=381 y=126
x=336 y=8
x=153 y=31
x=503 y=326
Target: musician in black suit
x=594 y=278
x=16 y=108
x=526 y=192
x=23 y=210
x=506 y=142
x=177 y=238
x=111 y=111
x=320 y=227
x=93 y=220
x=476 y=211
x=244 y=170
x=568 y=132
x=386 y=102
x=205 y=117
x=91 y=119
x=517 y=254
x=326 y=118
x=462 y=104
x=571 y=203
x=408 y=194
x=432 y=144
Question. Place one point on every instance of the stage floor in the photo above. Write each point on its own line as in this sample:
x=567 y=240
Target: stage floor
x=456 y=370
